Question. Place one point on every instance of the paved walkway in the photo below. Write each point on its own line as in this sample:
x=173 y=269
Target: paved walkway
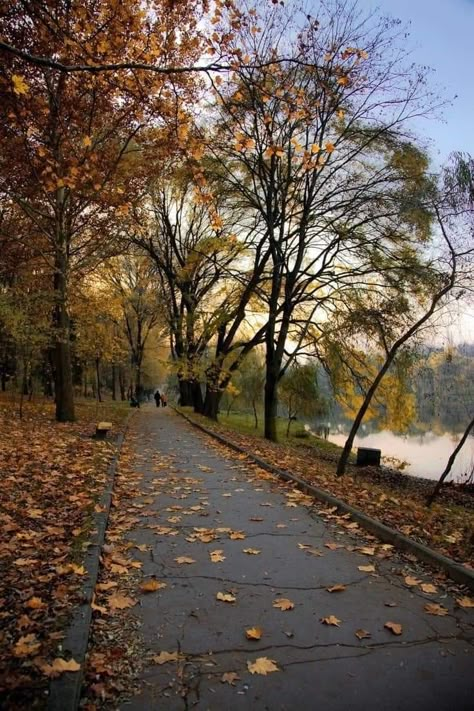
x=212 y=501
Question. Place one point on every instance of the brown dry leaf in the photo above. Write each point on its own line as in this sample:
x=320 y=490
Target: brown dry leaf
x=26 y=646
x=35 y=603
x=236 y=535
x=254 y=633
x=120 y=602
x=394 y=627
x=334 y=546
x=263 y=666
x=216 y=556
x=252 y=551
x=331 y=620
x=164 y=657
x=282 y=603
x=230 y=678
x=411 y=582
x=432 y=608
x=106 y=586
x=366 y=568
x=428 y=588
x=366 y=550
x=336 y=588
x=152 y=585
x=362 y=634
x=226 y=597
x=465 y=601
x=59 y=666
x=183 y=559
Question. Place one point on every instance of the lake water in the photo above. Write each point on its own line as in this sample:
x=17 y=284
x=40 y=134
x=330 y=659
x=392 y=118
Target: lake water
x=427 y=454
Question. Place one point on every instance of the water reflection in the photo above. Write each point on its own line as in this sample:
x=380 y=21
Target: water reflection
x=426 y=454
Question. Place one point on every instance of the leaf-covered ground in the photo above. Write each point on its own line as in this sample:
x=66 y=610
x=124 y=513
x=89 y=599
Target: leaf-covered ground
x=448 y=526
x=52 y=478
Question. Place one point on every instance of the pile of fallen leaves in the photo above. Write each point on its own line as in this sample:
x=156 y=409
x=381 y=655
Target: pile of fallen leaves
x=447 y=527
x=52 y=478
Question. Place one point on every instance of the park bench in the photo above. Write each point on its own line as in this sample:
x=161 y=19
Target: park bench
x=101 y=429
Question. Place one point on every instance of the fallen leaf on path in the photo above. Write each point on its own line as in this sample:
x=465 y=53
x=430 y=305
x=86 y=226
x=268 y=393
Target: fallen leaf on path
x=362 y=634
x=411 y=582
x=282 y=603
x=263 y=666
x=334 y=546
x=432 y=608
x=106 y=586
x=366 y=568
x=366 y=550
x=183 y=560
x=394 y=627
x=259 y=519
x=226 y=597
x=336 y=588
x=252 y=551
x=164 y=657
x=428 y=588
x=216 y=556
x=330 y=620
x=230 y=678
x=59 y=666
x=120 y=602
x=465 y=601
x=236 y=535
x=254 y=633
x=152 y=585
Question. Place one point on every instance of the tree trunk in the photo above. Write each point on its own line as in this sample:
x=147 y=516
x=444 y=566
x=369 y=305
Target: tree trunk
x=4 y=380
x=255 y=414
x=114 y=383
x=271 y=406
x=62 y=347
x=451 y=460
x=197 y=400
x=121 y=379
x=97 y=373
x=211 y=402
x=185 y=397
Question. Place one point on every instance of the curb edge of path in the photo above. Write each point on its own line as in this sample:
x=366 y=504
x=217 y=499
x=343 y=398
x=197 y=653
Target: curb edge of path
x=65 y=690
x=429 y=556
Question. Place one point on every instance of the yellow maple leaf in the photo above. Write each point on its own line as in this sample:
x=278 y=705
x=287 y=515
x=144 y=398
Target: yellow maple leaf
x=26 y=646
x=263 y=666
x=432 y=608
x=394 y=627
x=87 y=141
x=225 y=597
x=120 y=602
x=19 y=84
x=254 y=633
x=184 y=560
x=282 y=603
x=329 y=147
x=330 y=620
x=465 y=601
x=216 y=556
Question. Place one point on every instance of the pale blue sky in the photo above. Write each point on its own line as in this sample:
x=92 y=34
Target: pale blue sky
x=442 y=37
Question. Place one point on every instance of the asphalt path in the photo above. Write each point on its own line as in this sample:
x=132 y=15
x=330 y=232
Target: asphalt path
x=330 y=650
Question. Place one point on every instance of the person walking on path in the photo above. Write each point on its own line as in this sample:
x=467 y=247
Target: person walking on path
x=164 y=400
x=157 y=397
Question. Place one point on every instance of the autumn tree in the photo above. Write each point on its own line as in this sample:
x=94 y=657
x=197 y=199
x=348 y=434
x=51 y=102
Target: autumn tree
x=311 y=136
x=68 y=138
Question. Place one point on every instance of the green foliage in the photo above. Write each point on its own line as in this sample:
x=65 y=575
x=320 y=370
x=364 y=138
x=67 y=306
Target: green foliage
x=298 y=391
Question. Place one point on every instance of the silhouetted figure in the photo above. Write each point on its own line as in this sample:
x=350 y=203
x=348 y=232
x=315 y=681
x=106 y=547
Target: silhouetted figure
x=164 y=400
x=134 y=402
x=158 y=398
